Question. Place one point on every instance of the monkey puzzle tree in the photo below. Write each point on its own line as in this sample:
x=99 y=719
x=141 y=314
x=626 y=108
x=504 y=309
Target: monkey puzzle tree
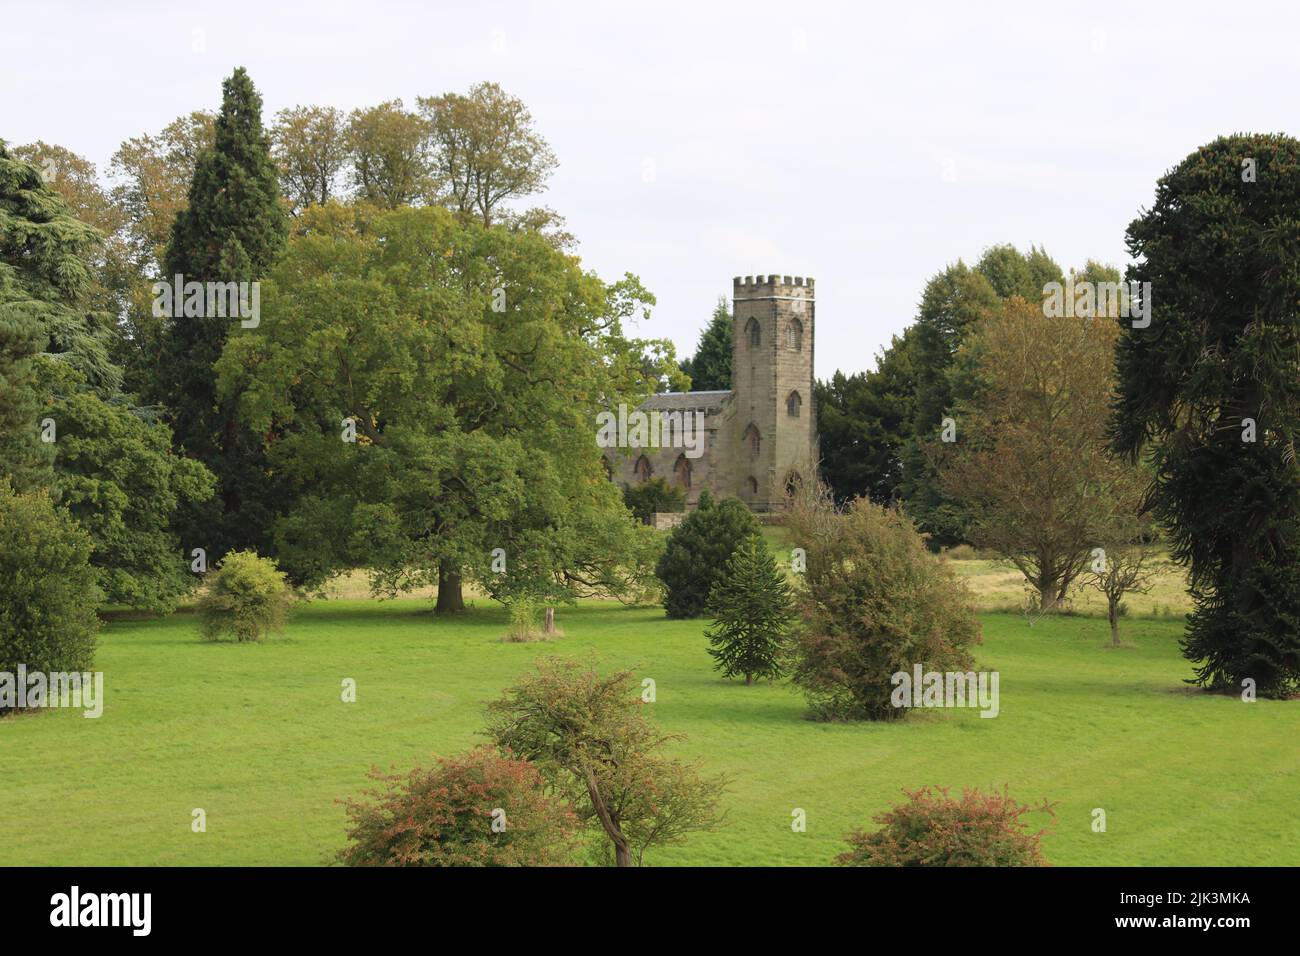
x=1211 y=389
x=753 y=609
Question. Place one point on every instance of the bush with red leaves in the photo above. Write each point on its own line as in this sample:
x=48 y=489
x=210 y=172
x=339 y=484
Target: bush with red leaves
x=934 y=829
x=478 y=809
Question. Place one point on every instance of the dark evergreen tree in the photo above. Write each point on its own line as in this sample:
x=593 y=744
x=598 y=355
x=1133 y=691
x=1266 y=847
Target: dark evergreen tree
x=232 y=231
x=1209 y=388
x=753 y=609
x=710 y=367
x=698 y=550
x=953 y=300
x=863 y=422
x=44 y=319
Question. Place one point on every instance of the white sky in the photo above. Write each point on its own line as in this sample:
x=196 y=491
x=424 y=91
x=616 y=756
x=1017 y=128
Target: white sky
x=865 y=145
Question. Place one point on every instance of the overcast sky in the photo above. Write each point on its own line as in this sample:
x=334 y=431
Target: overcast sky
x=865 y=145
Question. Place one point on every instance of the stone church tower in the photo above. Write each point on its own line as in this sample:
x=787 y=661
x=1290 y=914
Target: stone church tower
x=761 y=434
x=772 y=385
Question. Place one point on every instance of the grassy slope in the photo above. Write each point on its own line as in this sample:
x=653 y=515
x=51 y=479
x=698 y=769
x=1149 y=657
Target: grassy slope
x=258 y=737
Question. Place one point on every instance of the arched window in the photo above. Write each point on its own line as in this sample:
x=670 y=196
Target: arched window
x=682 y=471
x=751 y=486
x=753 y=440
x=754 y=332
x=642 y=469
x=792 y=404
x=794 y=336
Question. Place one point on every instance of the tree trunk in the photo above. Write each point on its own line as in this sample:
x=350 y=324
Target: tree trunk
x=450 y=600
x=549 y=627
x=622 y=855
x=749 y=679
x=1046 y=596
x=1112 y=614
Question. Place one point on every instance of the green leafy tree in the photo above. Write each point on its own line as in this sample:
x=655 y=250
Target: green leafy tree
x=388 y=149
x=310 y=147
x=710 y=367
x=473 y=425
x=484 y=150
x=118 y=477
x=247 y=597
x=655 y=495
x=589 y=736
x=753 y=609
x=477 y=809
x=47 y=330
x=232 y=230
x=877 y=602
x=48 y=588
x=1209 y=389
x=953 y=301
x=698 y=550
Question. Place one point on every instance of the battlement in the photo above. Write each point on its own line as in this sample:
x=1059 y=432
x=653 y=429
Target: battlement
x=772 y=285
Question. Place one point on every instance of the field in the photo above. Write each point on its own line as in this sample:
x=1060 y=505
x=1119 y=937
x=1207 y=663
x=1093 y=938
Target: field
x=258 y=737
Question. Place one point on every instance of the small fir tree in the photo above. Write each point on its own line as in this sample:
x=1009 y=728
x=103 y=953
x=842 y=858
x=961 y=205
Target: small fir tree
x=753 y=604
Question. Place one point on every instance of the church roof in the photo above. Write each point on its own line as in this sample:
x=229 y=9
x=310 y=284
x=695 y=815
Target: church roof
x=684 y=401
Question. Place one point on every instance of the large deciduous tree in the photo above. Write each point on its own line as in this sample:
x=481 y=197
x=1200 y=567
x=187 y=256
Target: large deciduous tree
x=388 y=147
x=1030 y=465
x=470 y=365
x=310 y=147
x=484 y=150
x=1211 y=388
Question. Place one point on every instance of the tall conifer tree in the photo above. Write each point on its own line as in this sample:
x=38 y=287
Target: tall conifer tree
x=232 y=231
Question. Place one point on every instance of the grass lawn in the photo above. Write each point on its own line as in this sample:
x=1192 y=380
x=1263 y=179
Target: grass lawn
x=257 y=736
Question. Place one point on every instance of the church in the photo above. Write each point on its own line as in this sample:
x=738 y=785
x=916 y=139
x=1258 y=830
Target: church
x=759 y=436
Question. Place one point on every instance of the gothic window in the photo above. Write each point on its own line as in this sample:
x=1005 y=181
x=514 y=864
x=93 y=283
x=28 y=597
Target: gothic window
x=682 y=471
x=642 y=470
x=794 y=336
x=753 y=440
x=754 y=333
x=792 y=404
x=751 y=486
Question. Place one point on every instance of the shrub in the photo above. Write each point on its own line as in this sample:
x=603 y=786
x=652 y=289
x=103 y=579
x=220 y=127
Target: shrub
x=48 y=589
x=933 y=829
x=753 y=608
x=247 y=596
x=877 y=602
x=478 y=809
x=645 y=499
x=590 y=738
x=698 y=550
